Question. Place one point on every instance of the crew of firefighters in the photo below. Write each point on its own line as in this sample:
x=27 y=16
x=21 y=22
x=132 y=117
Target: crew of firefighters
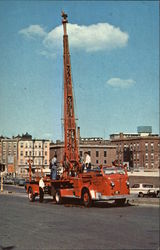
x=85 y=167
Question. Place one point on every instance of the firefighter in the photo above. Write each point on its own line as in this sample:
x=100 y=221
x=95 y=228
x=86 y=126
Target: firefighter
x=41 y=189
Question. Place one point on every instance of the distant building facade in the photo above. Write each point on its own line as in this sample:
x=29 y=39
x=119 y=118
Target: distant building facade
x=101 y=151
x=138 y=150
x=16 y=152
x=9 y=154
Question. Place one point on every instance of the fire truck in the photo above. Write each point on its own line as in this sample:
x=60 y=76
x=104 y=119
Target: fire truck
x=96 y=184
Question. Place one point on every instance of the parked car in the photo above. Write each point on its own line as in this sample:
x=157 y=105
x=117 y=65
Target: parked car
x=144 y=189
x=8 y=181
x=16 y=181
x=22 y=182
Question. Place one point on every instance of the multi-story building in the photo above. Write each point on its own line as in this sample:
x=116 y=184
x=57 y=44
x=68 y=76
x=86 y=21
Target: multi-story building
x=36 y=150
x=101 y=151
x=16 y=151
x=9 y=155
x=139 y=150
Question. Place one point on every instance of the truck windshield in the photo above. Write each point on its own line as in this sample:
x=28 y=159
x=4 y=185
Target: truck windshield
x=109 y=171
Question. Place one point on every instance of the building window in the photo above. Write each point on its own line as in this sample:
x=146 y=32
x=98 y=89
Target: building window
x=146 y=156
x=21 y=145
x=45 y=145
x=26 y=153
x=21 y=153
x=152 y=156
x=146 y=146
x=97 y=153
x=39 y=153
x=152 y=146
x=89 y=152
x=146 y=165
x=46 y=153
x=45 y=162
x=152 y=165
x=137 y=146
x=39 y=145
x=105 y=153
x=96 y=161
x=29 y=153
x=137 y=156
x=105 y=162
x=80 y=153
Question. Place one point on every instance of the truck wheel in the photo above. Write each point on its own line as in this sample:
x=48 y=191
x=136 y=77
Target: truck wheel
x=86 y=198
x=141 y=195
x=120 y=202
x=58 y=197
x=158 y=194
x=31 y=196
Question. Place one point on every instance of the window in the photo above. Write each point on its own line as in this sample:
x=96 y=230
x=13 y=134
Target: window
x=21 y=153
x=96 y=161
x=39 y=145
x=46 y=153
x=137 y=146
x=46 y=145
x=80 y=153
x=152 y=146
x=147 y=185
x=105 y=162
x=26 y=153
x=45 y=162
x=137 y=156
x=152 y=156
x=97 y=153
x=39 y=153
x=89 y=152
x=29 y=153
x=135 y=186
x=105 y=153
x=146 y=146
x=146 y=156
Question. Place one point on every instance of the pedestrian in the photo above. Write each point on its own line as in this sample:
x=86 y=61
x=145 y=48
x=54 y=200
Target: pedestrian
x=87 y=160
x=41 y=189
x=54 y=168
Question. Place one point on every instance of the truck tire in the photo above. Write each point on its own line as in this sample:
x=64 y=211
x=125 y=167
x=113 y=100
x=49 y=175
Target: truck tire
x=31 y=196
x=86 y=198
x=120 y=202
x=141 y=195
x=58 y=197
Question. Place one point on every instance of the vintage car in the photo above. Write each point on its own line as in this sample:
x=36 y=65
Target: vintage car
x=144 y=189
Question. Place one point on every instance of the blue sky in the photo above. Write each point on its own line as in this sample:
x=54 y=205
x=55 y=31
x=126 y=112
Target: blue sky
x=114 y=47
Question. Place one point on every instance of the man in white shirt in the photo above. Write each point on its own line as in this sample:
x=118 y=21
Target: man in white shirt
x=41 y=189
x=87 y=160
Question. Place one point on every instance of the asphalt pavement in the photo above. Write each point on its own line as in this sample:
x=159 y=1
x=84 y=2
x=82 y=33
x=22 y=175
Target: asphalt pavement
x=28 y=225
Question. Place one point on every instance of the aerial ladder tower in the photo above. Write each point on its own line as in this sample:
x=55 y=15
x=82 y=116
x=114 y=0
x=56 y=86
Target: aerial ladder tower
x=71 y=156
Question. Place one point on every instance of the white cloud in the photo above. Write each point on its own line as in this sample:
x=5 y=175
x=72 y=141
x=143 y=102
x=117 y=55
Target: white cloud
x=120 y=83
x=46 y=54
x=33 y=31
x=95 y=37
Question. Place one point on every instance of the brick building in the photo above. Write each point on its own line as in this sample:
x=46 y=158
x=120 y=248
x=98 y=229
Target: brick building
x=101 y=151
x=140 y=150
x=16 y=151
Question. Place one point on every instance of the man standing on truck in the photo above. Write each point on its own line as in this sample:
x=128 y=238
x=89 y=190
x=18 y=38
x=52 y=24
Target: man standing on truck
x=54 y=168
x=41 y=189
x=87 y=161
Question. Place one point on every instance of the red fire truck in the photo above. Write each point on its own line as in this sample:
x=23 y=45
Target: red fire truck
x=97 y=184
